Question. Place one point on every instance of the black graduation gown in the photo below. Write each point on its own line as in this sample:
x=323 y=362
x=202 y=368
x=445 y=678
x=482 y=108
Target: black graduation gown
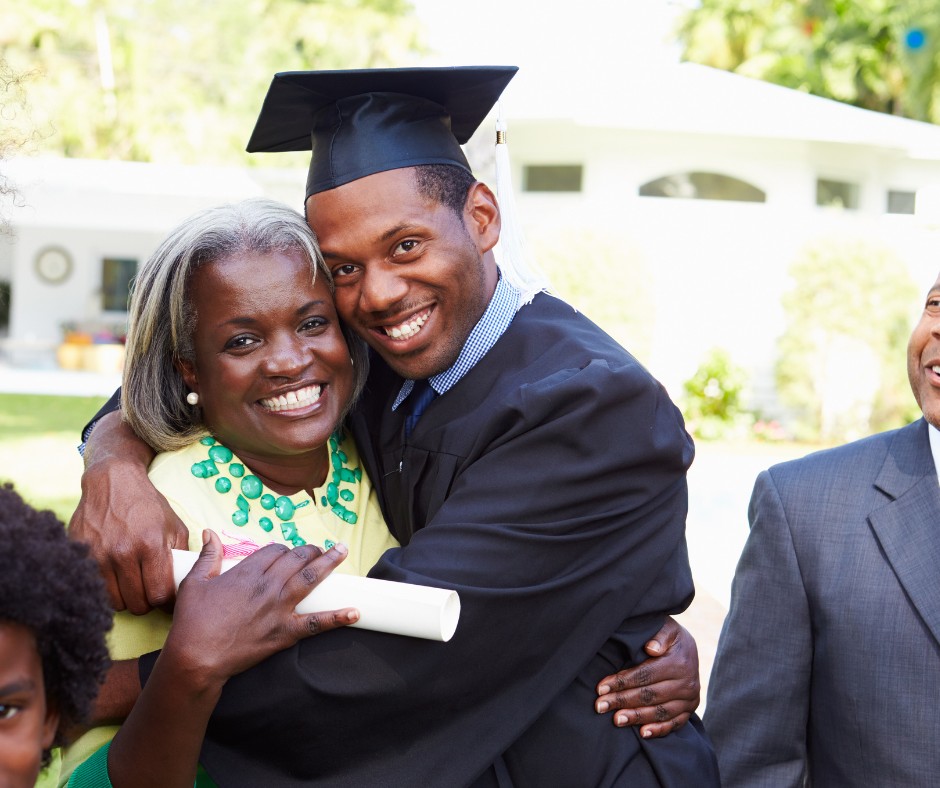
x=548 y=488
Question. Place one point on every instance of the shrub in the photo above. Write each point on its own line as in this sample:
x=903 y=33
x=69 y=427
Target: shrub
x=841 y=361
x=712 y=401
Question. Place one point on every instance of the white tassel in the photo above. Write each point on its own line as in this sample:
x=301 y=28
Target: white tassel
x=512 y=254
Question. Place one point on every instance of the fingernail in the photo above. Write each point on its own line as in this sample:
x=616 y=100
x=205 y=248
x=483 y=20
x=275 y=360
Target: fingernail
x=205 y=536
x=603 y=689
x=656 y=645
x=646 y=734
x=352 y=616
x=621 y=720
x=340 y=548
x=602 y=706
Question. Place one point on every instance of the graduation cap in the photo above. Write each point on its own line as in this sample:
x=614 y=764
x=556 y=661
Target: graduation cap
x=360 y=122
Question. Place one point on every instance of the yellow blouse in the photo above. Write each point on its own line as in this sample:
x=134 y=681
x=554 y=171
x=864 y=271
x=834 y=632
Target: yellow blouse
x=208 y=487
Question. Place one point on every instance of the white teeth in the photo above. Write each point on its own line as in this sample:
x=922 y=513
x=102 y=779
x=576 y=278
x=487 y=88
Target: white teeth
x=293 y=399
x=936 y=369
x=408 y=329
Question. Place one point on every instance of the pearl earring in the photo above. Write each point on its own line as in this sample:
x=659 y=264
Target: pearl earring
x=192 y=398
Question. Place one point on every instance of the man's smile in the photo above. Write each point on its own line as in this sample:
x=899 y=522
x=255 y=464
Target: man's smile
x=407 y=328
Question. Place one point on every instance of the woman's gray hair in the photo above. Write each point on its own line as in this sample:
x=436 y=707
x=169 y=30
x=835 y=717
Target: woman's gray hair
x=162 y=319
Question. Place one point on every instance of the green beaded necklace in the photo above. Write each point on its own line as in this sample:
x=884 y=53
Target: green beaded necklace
x=250 y=488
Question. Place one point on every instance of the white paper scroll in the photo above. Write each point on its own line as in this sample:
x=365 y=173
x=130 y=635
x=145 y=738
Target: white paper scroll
x=399 y=608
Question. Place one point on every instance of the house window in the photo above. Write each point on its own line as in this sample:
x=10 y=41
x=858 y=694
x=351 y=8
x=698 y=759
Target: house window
x=116 y=276
x=837 y=194
x=4 y=305
x=900 y=201
x=552 y=177
x=703 y=186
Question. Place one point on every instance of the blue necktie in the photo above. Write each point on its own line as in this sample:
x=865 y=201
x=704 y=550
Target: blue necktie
x=421 y=396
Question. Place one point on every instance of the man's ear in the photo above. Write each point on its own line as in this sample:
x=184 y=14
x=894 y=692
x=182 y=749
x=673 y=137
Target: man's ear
x=188 y=370
x=481 y=216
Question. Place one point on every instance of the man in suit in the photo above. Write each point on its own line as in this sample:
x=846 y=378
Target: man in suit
x=828 y=667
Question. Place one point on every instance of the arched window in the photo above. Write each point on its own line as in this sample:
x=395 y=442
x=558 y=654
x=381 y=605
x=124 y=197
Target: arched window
x=703 y=186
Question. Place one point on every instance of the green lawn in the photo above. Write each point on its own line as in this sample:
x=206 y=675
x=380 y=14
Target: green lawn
x=38 y=436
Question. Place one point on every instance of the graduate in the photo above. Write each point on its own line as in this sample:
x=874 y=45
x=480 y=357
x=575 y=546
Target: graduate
x=521 y=457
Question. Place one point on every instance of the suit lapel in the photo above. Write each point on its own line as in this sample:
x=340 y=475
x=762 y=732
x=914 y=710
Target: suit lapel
x=908 y=528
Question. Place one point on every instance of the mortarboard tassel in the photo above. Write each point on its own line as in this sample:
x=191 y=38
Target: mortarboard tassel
x=512 y=254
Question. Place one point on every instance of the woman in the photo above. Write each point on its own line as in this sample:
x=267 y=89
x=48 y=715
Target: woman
x=240 y=374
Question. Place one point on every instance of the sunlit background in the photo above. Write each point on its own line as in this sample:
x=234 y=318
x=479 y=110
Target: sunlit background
x=743 y=194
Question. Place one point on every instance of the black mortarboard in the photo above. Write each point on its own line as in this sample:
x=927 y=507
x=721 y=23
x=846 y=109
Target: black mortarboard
x=365 y=121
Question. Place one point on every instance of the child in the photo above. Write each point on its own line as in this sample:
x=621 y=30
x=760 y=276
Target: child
x=53 y=619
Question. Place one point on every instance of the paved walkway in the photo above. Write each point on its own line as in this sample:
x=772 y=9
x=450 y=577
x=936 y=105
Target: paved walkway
x=18 y=380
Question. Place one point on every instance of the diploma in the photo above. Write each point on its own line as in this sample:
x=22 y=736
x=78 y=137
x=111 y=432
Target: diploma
x=384 y=606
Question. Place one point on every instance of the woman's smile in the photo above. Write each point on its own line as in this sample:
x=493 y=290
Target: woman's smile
x=293 y=401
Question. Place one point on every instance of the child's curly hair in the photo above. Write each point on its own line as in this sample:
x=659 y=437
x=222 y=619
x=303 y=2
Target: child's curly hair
x=50 y=586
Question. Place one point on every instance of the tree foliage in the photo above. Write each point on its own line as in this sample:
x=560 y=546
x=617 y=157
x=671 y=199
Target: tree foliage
x=182 y=80
x=16 y=136
x=882 y=55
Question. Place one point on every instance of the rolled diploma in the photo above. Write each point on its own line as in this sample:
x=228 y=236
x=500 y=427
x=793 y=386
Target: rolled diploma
x=384 y=606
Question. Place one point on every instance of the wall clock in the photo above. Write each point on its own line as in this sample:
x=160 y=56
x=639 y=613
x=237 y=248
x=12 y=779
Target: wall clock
x=53 y=264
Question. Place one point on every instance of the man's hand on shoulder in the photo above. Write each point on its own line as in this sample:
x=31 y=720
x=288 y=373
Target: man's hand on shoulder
x=661 y=693
x=127 y=524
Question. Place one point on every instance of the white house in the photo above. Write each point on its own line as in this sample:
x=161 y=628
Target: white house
x=710 y=184
x=79 y=230
x=682 y=195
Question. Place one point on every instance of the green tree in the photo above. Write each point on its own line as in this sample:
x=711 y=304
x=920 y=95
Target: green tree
x=182 y=80
x=841 y=359
x=882 y=55
x=16 y=135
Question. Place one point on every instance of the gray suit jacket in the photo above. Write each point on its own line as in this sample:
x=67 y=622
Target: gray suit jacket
x=828 y=667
